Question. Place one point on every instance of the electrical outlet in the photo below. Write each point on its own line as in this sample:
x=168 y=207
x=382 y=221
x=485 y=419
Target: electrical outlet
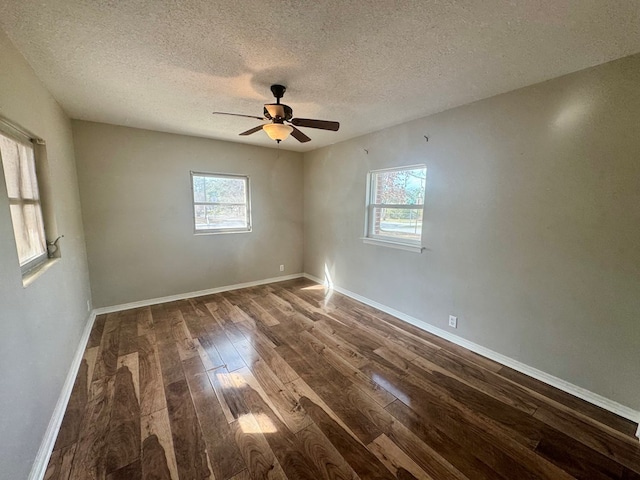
x=282 y=268
x=453 y=321
x=88 y=305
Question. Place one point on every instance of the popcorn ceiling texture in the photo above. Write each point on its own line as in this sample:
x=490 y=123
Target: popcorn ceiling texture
x=166 y=65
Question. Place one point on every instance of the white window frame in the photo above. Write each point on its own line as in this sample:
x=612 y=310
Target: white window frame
x=17 y=134
x=384 y=240
x=247 y=203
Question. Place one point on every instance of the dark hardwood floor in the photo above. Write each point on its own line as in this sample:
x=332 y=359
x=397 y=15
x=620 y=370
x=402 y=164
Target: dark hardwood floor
x=290 y=381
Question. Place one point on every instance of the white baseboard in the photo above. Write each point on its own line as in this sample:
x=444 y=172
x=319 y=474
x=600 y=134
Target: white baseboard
x=199 y=293
x=48 y=442
x=563 y=385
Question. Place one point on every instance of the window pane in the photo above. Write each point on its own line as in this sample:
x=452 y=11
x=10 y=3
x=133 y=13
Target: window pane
x=28 y=181
x=224 y=190
x=398 y=223
x=28 y=230
x=198 y=189
x=400 y=187
x=213 y=217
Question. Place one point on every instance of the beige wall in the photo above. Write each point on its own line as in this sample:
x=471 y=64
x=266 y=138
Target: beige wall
x=532 y=225
x=41 y=325
x=136 y=202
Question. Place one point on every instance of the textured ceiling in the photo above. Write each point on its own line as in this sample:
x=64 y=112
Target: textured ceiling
x=166 y=65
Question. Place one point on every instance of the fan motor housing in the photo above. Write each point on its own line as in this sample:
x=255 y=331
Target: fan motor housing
x=274 y=111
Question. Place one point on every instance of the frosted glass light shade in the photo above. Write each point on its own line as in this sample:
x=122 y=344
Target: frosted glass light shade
x=277 y=131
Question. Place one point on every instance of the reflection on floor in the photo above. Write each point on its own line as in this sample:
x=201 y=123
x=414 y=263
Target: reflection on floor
x=285 y=381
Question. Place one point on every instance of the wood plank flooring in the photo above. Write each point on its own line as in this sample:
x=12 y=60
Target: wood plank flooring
x=290 y=381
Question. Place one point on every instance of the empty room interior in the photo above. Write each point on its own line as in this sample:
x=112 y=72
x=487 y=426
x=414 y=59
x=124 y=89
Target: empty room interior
x=320 y=240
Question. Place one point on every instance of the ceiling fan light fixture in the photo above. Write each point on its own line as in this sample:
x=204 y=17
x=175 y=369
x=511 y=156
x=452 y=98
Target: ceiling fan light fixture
x=278 y=131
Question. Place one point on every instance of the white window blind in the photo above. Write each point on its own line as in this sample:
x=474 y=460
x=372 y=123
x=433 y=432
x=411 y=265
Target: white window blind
x=18 y=163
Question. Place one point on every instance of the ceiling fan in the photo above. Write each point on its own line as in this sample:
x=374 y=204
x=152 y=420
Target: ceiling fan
x=279 y=113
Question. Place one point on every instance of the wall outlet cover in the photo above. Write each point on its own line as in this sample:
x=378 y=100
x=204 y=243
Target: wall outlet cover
x=453 y=321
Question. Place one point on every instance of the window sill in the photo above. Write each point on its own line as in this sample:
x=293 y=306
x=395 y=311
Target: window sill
x=400 y=246
x=31 y=276
x=219 y=232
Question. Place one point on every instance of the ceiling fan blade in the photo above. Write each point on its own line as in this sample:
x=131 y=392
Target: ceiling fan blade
x=253 y=130
x=311 y=123
x=298 y=135
x=238 y=115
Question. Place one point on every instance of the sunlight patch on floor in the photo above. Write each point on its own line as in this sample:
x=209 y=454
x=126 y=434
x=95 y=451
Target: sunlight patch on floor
x=231 y=380
x=256 y=423
x=391 y=389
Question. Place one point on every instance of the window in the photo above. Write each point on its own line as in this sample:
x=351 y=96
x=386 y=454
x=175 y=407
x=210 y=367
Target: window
x=220 y=203
x=19 y=166
x=395 y=204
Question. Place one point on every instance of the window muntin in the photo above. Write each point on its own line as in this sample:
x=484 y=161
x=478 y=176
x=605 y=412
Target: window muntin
x=19 y=166
x=221 y=203
x=395 y=204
